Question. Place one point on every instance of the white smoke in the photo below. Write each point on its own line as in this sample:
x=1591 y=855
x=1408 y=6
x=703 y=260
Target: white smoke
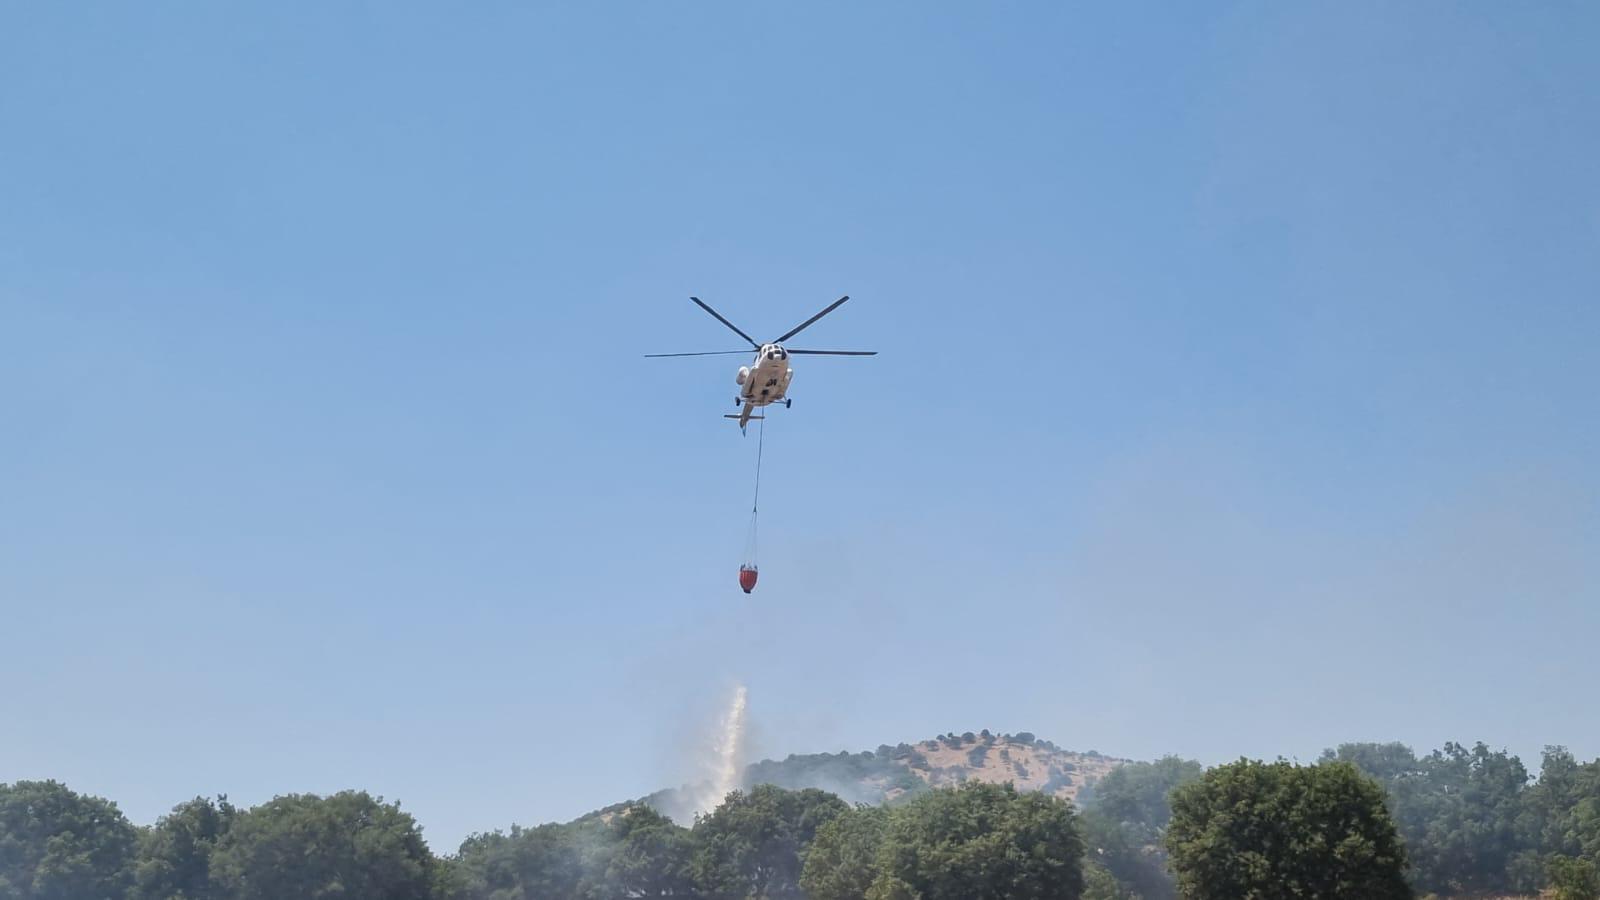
x=726 y=763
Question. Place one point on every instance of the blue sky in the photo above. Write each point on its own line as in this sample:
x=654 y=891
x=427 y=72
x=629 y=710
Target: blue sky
x=1237 y=387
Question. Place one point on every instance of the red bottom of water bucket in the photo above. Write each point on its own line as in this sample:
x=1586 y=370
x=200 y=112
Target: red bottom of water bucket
x=747 y=578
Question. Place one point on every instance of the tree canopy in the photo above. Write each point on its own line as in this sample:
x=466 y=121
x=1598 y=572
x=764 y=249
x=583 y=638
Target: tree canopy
x=843 y=860
x=59 y=845
x=1279 y=830
x=175 y=855
x=981 y=842
x=752 y=845
x=301 y=845
x=1125 y=819
x=1472 y=821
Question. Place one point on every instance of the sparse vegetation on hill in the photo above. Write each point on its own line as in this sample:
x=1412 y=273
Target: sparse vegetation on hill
x=892 y=773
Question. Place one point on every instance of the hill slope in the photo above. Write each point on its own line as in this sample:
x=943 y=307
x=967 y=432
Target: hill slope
x=889 y=772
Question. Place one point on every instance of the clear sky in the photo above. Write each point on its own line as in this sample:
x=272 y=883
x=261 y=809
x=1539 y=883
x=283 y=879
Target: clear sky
x=1238 y=387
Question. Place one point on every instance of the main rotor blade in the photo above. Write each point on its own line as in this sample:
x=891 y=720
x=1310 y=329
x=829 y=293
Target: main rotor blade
x=803 y=325
x=698 y=302
x=834 y=352
x=710 y=353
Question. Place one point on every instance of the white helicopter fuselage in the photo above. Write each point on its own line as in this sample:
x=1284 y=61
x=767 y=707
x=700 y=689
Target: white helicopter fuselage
x=766 y=379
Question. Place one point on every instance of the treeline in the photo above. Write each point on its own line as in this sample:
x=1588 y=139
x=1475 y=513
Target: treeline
x=977 y=842
x=1472 y=821
x=1366 y=822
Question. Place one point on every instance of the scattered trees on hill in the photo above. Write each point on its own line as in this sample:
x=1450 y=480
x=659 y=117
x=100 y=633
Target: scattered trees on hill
x=1279 y=830
x=857 y=777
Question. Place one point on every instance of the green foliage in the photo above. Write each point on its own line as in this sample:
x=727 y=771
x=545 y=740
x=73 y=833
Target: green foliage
x=637 y=853
x=1278 y=830
x=302 y=845
x=751 y=846
x=1138 y=792
x=1126 y=818
x=1130 y=853
x=558 y=862
x=650 y=856
x=59 y=845
x=980 y=842
x=857 y=777
x=1100 y=884
x=1564 y=807
x=1463 y=814
x=842 y=861
x=175 y=855
x=1573 y=879
x=1473 y=823
x=1473 y=804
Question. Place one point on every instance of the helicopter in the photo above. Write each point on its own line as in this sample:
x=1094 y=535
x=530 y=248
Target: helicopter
x=766 y=380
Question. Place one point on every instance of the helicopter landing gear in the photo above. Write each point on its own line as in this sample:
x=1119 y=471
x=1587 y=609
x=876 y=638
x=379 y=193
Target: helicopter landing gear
x=788 y=402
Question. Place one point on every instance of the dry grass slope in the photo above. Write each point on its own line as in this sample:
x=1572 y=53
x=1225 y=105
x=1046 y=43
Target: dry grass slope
x=1030 y=764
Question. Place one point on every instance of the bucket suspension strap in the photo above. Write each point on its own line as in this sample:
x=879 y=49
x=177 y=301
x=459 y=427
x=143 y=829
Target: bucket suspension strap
x=761 y=439
x=755 y=503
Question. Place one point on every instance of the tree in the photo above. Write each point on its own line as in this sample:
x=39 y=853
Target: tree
x=1126 y=852
x=1564 y=806
x=302 y=845
x=980 y=841
x=1138 y=793
x=1573 y=879
x=1462 y=813
x=550 y=862
x=1278 y=830
x=1126 y=818
x=175 y=856
x=842 y=860
x=650 y=856
x=1100 y=884
x=752 y=845
x=59 y=845
x=1473 y=804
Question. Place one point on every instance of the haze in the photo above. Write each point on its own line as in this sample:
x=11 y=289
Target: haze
x=1236 y=392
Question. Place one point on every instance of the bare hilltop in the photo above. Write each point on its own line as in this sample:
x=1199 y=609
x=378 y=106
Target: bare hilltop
x=891 y=772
